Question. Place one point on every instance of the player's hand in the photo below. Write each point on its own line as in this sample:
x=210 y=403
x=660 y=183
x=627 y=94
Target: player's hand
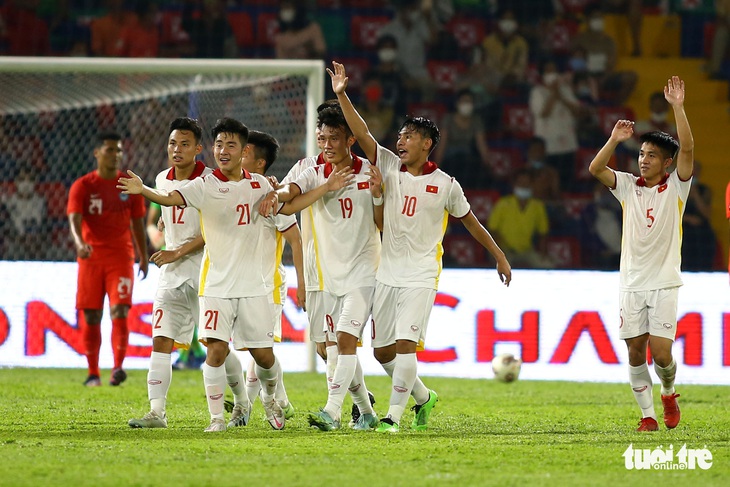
x=131 y=185
x=143 y=268
x=83 y=250
x=674 y=91
x=302 y=297
x=162 y=257
x=340 y=179
x=504 y=270
x=339 y=79
x=376 y=181
x=161 y=224
x=273 y=182
x=623 y=130
x=269 y=204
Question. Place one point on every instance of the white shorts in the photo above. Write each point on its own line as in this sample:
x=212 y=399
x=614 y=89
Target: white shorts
x=348 y=313
x=248 y=321
x=315 y=315
x=652 y=312
x=401 y=313
x=175 y=313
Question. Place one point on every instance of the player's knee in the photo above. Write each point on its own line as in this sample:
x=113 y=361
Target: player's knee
x=322 y=351
x=384 y=354
x=92 y=316
x=663 y=358
x=119 y=311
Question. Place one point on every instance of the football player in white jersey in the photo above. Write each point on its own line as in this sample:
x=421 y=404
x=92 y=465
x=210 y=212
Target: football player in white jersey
x=653 y=205
x=347 y=265
x=175 y=311
x=234 y=291
x=418 y=199
x=258 y=156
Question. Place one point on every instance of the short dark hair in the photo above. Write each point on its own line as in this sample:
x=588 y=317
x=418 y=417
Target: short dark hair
x=333 y=117
x=187 y=124
x=230 y=126
x=666 y=143
x=101 y=137
x=331 y=103
x=266 y=147
x=425 y=127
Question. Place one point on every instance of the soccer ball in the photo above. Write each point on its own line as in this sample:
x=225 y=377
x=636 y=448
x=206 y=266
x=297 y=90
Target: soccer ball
x=506 y=367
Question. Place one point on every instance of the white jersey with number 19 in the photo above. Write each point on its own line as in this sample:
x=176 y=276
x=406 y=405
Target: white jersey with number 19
x=416 y=214
x=652 y=232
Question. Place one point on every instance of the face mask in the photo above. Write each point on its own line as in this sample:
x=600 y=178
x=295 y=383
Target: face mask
x=596 y=25
x=537 y=164
x=550 y=78
x=287 y=15
x=523 y=193
x=465 y=109
x=578 y=64
x=658 y=117
x=507 y=26
x=24 y=187
x=387 y=55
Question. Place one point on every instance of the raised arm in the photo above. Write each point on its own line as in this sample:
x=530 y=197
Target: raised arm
x=335 y=181
x=674 y=94
x=376 y=190
x=623 y=130
x=482 y=236
x=134 y=185
x=294 y=238
x=358 y=126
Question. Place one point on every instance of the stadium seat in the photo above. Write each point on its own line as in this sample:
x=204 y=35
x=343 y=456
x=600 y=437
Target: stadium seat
x=576 y=7
x=481 y=201
x=559 y=34
x=242 y=27
x=171 y=31
x=583 y=158
x=433 y=111
x=504 y=161
x=364 y=30
x=446 y=73
x=608 y=116
x=267 y=25
x=467 y=31
x=564 y=252
x=56 y=197
x=464 y=250
x=357 y=68
x=575 y=203
x=517 y=120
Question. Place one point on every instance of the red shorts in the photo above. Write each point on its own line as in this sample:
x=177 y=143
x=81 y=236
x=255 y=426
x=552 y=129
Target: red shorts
x=99 y=278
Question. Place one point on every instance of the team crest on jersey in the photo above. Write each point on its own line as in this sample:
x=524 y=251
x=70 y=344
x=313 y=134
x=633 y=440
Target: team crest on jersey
x=432 y=189
x=363 y=185
x=123 y=197
x=255 y=185
x=662 y=188
x=223 y=190
x=95 y=205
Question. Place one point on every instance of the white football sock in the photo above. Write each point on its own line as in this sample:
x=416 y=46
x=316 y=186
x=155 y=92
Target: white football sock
x=359 y=391
x=280 y=394
x=214 y=379
x=666 y=376
x=159 y=378
x=404 y=376
x=419 y=392
x=640 y=381
x=234 y=377
x=344 y=373
x=332 y=354
x=268 y=378
x=253 y=384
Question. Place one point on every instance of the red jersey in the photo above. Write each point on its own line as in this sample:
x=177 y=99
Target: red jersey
x=727 y=212
x=106 y=215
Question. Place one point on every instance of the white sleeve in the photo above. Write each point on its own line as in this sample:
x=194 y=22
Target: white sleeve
x=284 y=222
x=193 y=193
x=309 y=179
x=456 y=204
x=386 y=160
x=293 y=173
x=683 y=187
x=624 y=182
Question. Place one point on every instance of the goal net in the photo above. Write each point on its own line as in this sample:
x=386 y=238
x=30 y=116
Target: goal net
x=52 y=108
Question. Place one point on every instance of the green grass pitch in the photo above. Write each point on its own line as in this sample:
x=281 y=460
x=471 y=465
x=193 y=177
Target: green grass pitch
x=53 y=431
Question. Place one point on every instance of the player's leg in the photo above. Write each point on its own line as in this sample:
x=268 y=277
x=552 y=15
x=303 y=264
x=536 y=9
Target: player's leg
x=663 y=328
x=316 y=319
x=280 y=395
x=237 y=383
x=159 y=377
x=253 y=385
x=89 y=303
x=119 y=282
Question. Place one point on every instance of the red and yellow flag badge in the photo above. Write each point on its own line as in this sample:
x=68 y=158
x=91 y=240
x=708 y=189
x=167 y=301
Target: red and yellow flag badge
x=255 y=185
x=432 y=189
x=363 y=185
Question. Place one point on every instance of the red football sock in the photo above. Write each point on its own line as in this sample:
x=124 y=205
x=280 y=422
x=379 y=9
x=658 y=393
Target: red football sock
x=92 y=344
x=120 y=339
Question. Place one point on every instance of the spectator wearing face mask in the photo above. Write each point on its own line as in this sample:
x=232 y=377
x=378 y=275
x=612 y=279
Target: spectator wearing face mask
x=379 y=117
x=506 y=50
x=615 y=86
x=298 y=36
x=389 y=74
x=658 y=121
x=483 y=82
x=519 y=224
x=462 y=151
x=27 y=211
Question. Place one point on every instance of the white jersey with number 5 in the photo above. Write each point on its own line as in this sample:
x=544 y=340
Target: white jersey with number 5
x=236 y=257
x=652 y=231
x=344 y=231
x=416 y=213
x=312 y=269
x=181 y=226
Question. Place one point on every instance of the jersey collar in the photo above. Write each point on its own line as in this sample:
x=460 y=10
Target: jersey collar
x=642 y=182
x=219 y=174
x=197 y=171
x=356 y=166
x=428 y=168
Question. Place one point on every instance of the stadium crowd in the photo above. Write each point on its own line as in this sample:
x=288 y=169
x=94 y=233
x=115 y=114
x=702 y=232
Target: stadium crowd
x=524 y=92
